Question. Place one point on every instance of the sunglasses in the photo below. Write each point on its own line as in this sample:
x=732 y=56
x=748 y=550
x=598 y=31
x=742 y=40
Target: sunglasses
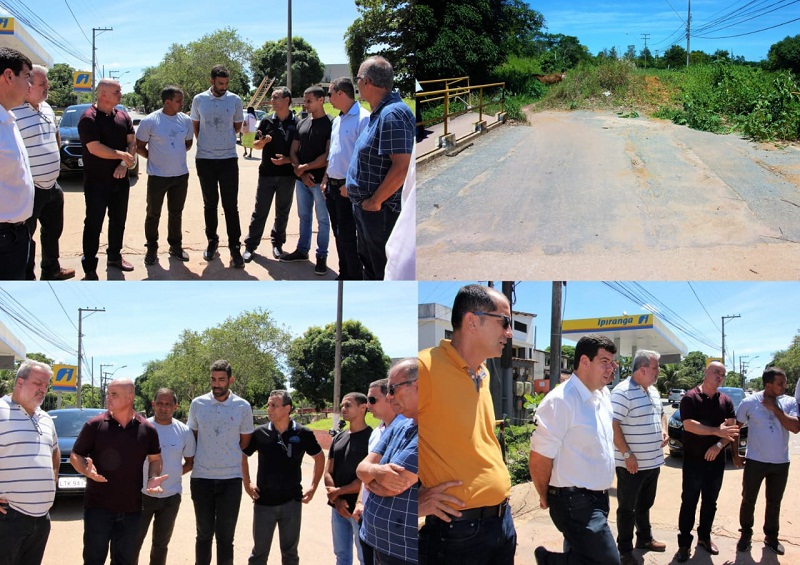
x=506 y=319
x=393 y=387
x=372 y=400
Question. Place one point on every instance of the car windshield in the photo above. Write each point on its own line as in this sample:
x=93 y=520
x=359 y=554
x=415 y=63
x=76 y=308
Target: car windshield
x=71 y=117
x=736 y=394
x=69 y=424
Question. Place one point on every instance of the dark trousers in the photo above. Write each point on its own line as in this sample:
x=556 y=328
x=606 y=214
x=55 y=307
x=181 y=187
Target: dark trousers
x=373 y=229
x=22 y=537
x=487 y=541
x=700 y=478
x=775 y=475
x=582 y=518
x=101 y=527
x=367 y=550
x=174 y=188
x=15 y=240
x=111 y=197
x=48 y=210
x=162 y=512
x=216 y=510
x=287 y=517
x=219 y=180
x=343 y=224
x=282 y=190
x=636 y=493
x=385 y=559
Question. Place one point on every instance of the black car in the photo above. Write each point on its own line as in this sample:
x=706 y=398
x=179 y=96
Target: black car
x=675 y=424
x=69 y=423
x=71 y=148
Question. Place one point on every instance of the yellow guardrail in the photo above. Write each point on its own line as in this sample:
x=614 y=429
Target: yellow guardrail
x=453 y=90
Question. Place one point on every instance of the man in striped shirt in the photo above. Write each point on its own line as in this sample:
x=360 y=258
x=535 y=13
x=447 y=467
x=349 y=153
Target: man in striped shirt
x=37 y=124
x=29 y=459
x=640 y=434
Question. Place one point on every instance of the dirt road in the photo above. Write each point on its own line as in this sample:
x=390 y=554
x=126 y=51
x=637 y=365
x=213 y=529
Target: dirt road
x=591 y=195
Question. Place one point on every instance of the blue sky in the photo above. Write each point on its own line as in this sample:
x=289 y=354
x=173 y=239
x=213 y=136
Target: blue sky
x=770 y=312
x=619 y=23
x=144 y=319
x=144 y=30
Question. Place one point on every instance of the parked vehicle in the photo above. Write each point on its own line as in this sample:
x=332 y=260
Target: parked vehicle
x=675 y=395
x=71 y=148
x=675 y=425
x=69 y=423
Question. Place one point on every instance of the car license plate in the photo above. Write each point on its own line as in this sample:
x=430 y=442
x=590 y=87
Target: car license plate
x=71 y=482
x=80 y=162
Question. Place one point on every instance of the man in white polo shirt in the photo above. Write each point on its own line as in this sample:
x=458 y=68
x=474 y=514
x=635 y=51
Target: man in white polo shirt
x=640 y=434
x=29 y=443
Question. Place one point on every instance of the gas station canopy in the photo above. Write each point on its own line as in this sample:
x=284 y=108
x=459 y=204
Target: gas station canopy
x=630 y=333
x=11 y=348
x=14 y=36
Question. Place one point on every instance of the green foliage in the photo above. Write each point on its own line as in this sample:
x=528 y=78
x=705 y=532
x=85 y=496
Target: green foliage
x=518 y=448
x=515 y=105
x=270 y=60
x=311 y=361
x=60 y=79
x=691 y=371
x=733 y=379
x=789 y=360
x=517 y=73
x=674 y=57
x=785 y=54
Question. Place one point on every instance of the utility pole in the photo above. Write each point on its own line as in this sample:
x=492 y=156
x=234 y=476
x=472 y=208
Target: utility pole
x=555 y=334
x=337 y=371
x=645 y=36
x=80 y=344
x=101 y=380
x=505 y=359
x=289 y=51
x=94 y=64
x=688 y=33
x=723 y=335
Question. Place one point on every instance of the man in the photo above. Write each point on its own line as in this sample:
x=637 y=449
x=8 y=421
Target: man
x=275 y=174
x=309 y=155
x=380 y=407
x=29 y=443
x=16 y=182
x=346 y=128
x=572 y=457
x=163 y=138
x=640 y=434
x=37 y=124
x=389 y=473
x=222 y=423
x=177 y=454
x=465 y=482
x=341 y=481
x=709 y=424
x=278 y=491
x=769 y=416
x=110 y=451
x=217 y=118
x=109 y=150
x=381 y=159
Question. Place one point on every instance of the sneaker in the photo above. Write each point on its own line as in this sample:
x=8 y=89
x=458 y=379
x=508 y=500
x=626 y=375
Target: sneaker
x=277 y=251
x=179 y=254
x=743 y=544
x=295 y=255
x=247 y=255
x=211 y=251
x=237 y=261
x=774 y=545
x=151 y=256
x=321 y=267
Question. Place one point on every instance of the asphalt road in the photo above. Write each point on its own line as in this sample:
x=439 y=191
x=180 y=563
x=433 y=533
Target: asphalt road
x=591 y=195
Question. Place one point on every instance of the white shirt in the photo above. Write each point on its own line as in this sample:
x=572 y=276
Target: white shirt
x=166 y=138
x=767 y=439
x=218 y=426
x=344 y=131
x=638 y=412
x=401 y=247
x=16 y=182
x=40 y=135
x=216 y=114
x=177 y=442
x=574 y=429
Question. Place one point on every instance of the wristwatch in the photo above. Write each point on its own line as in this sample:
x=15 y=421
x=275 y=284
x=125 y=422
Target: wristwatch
x=719 y=444
x=627 y=454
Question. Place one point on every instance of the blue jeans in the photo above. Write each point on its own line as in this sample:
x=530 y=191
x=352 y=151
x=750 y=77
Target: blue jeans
x=636 y=493
x=311 y=200
x=101 y=527
x=22 y=537
x=216 y=510
x=287 y=517
x=699 y=477
x=373 y=231
x=345 y=534
x=487 y=541
x=582 y=518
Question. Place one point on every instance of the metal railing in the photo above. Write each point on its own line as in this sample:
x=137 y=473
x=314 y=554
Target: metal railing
x=453 y=91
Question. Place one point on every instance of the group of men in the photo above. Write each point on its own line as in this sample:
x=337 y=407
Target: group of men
x=349 y=171
x=134 y=465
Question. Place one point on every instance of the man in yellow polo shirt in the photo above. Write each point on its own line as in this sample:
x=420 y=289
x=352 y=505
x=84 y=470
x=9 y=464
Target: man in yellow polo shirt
x=465 y=483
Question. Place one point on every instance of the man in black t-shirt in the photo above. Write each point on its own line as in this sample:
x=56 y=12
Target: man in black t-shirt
x=275 y=174
x=278 y=492
x=348 y=450
x=309 y=155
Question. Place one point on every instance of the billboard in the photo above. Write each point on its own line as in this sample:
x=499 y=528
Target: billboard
x=65 y=378
x=82 y=81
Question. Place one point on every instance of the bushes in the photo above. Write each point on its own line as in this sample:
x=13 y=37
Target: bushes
x=518 y=74
x=518 y=448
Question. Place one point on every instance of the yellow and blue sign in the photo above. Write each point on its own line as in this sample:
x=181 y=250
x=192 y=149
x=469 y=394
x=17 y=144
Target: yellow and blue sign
x=7 y=25
x=65 y=378
x=636 y=321
x=82 y=81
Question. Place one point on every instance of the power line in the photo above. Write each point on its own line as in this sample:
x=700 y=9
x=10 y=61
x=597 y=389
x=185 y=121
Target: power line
x=43 y=29
x=703 y=305
x=77 y=22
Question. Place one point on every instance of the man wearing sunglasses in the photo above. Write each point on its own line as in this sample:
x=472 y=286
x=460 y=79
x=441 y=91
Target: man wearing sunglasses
x=465 y=482
x=29 y=443
x=278 y=494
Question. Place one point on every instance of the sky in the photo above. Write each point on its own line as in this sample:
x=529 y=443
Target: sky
x=144 y=30
x=619 y=23
x=770 y=312
x=142 y=320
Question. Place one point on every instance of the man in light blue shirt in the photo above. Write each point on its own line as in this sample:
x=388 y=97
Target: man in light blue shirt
x=217 y=117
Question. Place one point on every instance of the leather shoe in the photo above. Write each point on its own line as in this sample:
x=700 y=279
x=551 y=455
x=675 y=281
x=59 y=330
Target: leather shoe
x=774 y=545
x=61 y=275
x=247 y=255
x=179 y=254
x=237 y=262
x=682 y=555
x=151 y=257
x=91 y=276
x=743 y=544
x=709 y=546
x=122 y=265
x=652 y=545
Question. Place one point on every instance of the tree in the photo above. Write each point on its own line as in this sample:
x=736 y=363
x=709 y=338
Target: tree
x=789 y=361
x=311 y=361
x=692 y=370
x=733 y=379
x=60 y=78
x=668 y=377
x=270 y=60
x=785 y=54
x=675 y=57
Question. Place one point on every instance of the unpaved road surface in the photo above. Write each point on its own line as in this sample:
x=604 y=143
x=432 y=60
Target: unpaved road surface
x=591 y=195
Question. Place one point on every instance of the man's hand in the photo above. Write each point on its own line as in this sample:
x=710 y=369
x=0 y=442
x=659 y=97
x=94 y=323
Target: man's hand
x=154 y=484
x=121 y=170
x=359 y=510
x=279 y=159
x=332 y=493
x=307 y=179
x=369 y=205
x=342 y=508
x=252 y=490
x=3 y=501
x=432 y=501
x=128 y=159
x=632 y=464
x=712 y=452
x=729 y=433
x=664 y=439
x=394 y=478
x=91 y=472
x=308 y=494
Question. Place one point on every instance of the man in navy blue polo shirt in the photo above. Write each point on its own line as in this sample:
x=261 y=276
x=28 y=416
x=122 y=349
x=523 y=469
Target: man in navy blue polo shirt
x=379 y=165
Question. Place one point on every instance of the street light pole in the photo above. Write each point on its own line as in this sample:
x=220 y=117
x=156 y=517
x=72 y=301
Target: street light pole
x=723 y=335
x=289 y=51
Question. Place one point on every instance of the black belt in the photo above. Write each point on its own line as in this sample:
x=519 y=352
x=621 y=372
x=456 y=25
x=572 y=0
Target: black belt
x=483 y=512
x=573 y=490
x=336 y=183
x=10 y=225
